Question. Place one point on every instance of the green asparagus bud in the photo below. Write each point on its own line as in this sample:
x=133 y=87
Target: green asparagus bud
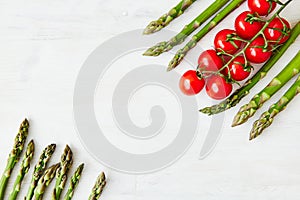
x=62 y=172
x=14 y=156
x=165 y=19
x=98 y=187
x=44 y=181
x=39 y=169
x=74 y=182
x=23 y=171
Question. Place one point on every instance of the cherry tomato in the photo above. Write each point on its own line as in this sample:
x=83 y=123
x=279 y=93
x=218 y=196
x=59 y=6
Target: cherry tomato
x=278 y=31
x=209 y=61
x=261 y=7
x=256 y=53
x=237 y=69
x=246 y=28
x=224 y=42
x=217 y=87
x=190 y=83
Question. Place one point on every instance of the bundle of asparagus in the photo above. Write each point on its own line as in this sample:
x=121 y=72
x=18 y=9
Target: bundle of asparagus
x=43 y=176
x=276 y=46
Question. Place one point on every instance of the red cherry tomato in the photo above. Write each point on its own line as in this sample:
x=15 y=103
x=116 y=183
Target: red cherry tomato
x=224 y=42
x=237 y=69
x=256 y=53
x=278 y=31
x=246 y=28
x=209 y=61
x=217 y=87
x=190 y=83
x=261 y=7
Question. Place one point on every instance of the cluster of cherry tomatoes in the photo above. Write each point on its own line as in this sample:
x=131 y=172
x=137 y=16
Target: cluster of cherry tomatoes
x=235 y=50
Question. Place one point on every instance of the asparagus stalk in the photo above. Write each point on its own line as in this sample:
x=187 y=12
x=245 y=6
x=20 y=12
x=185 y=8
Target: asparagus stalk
x=197 y=37
x=14 y=156
x=187 y=30
x=240 y=93
x=98 y=187
x=23 y=171
x=165 y=19
x=44 y=181
x=62 y=172
x=267 y=117
x=276 y=84
x=39 y=169
x=74 y=182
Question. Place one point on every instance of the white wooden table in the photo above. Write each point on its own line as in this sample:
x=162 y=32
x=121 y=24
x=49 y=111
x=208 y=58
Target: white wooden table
x=43 y=45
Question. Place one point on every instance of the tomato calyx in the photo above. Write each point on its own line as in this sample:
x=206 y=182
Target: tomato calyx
x=199 y=74
x=253 y=17
x=232 y=38
x=276 y=1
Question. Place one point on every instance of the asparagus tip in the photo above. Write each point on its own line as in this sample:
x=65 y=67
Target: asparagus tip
x=251 y=137
x=157 y=49
x=205 y=110
x=169 y=68
x=25 y=123
x=81 y=166
x=31 y=145
x=148 y=53
x=175 y=60
x=239 y=119
x=153 y=27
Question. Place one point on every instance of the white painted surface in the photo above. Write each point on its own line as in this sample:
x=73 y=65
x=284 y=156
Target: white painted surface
x=43 y=45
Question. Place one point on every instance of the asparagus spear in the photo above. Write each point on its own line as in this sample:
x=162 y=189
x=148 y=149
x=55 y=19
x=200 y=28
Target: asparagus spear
x=39 y=169
x=239 y=94
x=74 y=182
x=62 y=172
x=14 y=156
x=44 y=181
x=186 y=31
x=267 y=117
x=165 y=19
x=98 y=187
x=197 y=37
x=23 y=171
x=276 y=84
